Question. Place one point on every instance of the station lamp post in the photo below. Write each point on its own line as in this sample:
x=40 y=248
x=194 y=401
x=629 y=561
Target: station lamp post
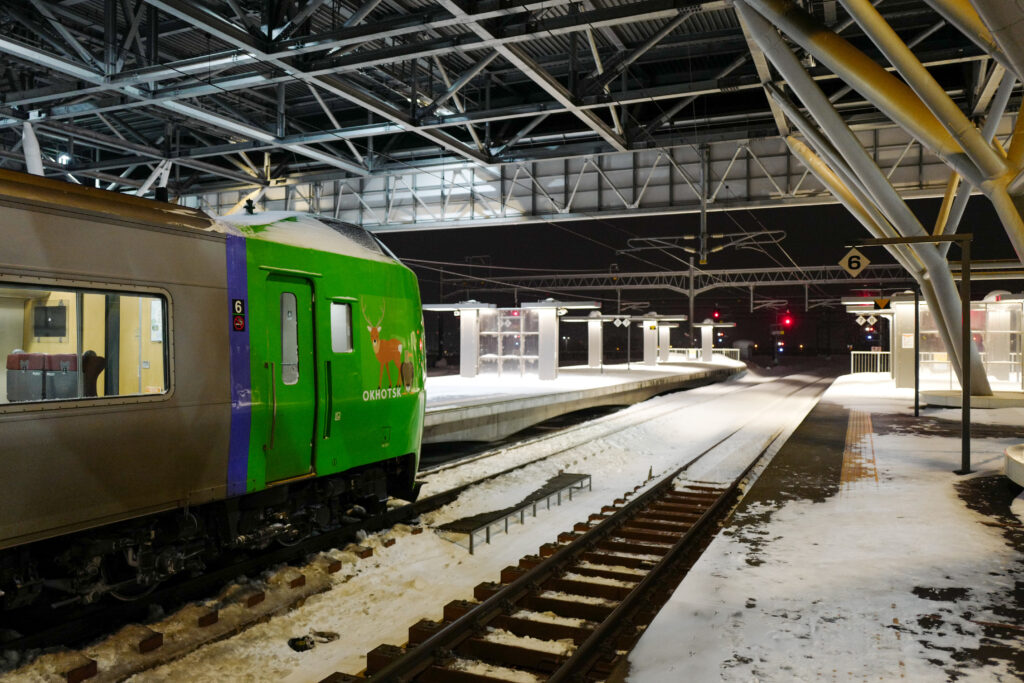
x=964 y=240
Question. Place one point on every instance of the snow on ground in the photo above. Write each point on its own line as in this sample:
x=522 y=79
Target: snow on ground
x=375 y=600
x=885 y=580
x=448 y=390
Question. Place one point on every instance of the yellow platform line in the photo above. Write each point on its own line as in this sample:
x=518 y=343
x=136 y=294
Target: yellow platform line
x=859 y=452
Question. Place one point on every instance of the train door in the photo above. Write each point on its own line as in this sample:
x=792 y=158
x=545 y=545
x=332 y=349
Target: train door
x=291 y=373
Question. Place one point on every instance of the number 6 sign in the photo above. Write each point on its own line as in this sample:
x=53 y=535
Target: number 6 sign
x=238 y=315
x=854 y=262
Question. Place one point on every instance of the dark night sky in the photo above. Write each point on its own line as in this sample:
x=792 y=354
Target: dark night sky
x=813 y=236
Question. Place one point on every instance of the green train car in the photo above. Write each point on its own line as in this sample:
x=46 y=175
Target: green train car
x=177 y=386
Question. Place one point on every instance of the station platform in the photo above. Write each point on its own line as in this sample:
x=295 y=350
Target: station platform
x=953 y=398
x=488 y=408
x=859 y=555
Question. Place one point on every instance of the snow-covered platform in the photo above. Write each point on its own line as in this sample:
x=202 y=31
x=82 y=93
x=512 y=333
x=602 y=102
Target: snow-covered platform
x=952 y=399
x=487 y=408
x=859 y=555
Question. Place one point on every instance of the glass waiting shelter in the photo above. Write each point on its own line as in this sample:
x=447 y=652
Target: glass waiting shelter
x=996 y=323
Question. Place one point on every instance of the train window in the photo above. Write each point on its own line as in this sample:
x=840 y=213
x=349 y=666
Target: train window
x=67 y=343
x=289 y=339
x=341 y=327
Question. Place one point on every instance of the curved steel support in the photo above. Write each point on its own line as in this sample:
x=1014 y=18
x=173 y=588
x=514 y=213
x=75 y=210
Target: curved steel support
x=30 y=146
x=1005 y=19
x=947 y=309
x=961 y=14
x=838 y=174
x=867 y=216
x=988 y=161
x=951 y=215
x=872 y=221
x=995 y=172
x=891 y=95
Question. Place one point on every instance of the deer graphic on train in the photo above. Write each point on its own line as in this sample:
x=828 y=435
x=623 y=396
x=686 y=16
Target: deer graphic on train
x=389 y=351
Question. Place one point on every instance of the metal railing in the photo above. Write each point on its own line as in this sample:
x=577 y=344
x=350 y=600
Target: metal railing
x=695 y=354
x=500 y=525
x=870 y=361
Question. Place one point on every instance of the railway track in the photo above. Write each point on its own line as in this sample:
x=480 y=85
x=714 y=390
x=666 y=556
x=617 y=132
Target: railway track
x=574 y=610
x=603 y=426
x=85 y=625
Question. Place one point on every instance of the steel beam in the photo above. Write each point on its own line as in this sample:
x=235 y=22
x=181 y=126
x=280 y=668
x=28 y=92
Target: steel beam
x=961 y=14
x=703 y=280
x=735 y=64
x=764 y=75
x=459 y=106
x=951 y=221
x=521 y=60
x=334 y=122
x=602 y=80
x=77 y=46
x=459 y=84
x=927 y=88
x=946 y=300
x=224 y=123
x=229 y=33
x=1004 y=19
x=987 y=88
x=837 y=173
x=995 y=173
x=144 y=151
x=300 y=17
x=891 y=95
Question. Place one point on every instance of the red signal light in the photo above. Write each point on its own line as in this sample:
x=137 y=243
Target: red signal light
x=787 y=321
x=716 y=314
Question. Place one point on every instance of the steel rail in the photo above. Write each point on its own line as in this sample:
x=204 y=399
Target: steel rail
x=579 y=427
x=90 y=621
x=423 y=656
x=590 y=650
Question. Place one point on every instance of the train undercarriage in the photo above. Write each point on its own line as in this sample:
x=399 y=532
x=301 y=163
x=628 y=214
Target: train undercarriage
x=127 y=560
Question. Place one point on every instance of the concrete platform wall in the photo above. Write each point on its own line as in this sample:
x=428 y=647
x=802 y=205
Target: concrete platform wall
x=498 y=419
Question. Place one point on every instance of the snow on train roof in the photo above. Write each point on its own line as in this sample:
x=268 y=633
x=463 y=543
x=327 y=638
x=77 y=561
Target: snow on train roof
x=304 y=230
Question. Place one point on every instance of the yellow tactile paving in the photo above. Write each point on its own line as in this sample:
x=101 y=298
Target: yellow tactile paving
x=859 y=451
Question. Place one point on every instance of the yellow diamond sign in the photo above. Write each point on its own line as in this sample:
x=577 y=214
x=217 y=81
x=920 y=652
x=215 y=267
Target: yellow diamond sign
x=854 y=262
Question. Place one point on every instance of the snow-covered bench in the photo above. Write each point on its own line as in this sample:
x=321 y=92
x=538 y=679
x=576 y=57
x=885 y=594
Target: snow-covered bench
x=1014 y=466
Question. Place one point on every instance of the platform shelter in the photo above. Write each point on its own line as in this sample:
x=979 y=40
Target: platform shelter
x=510 y=341
x=996 y=328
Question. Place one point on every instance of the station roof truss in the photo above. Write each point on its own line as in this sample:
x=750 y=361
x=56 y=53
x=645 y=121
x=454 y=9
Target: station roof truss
x=680 y=281
x=410 y=114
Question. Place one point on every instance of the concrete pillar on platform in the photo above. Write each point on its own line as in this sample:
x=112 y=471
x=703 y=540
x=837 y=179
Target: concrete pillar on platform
x=469 y=342
x=595 y=342
x=547 y=343
x=706 y=337
x=650 y=342
x=663 y=342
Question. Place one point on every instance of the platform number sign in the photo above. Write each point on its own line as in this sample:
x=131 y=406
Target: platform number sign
x=238 y=315
x=854 y=262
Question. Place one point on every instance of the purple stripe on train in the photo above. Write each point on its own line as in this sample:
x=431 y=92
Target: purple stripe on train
x=241 y=381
